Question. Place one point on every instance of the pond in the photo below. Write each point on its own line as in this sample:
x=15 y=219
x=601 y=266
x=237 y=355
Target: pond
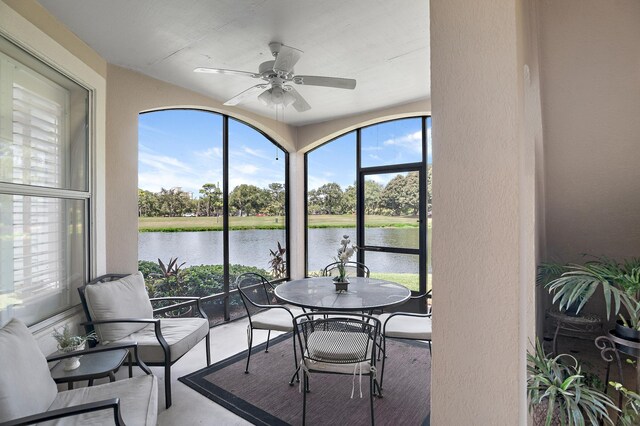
x=251 y=247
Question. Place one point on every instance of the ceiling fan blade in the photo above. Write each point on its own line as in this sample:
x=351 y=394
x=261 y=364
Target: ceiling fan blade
x=251 y=91
x=286 y=59
x=299 y=103
x=229 y=72
x=316 y=80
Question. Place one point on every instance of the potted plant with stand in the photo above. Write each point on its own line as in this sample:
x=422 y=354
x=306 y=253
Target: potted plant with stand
x=559 y=393
x=620 y=282
x=68 y=342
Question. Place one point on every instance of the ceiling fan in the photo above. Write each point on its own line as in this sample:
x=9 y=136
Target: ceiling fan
x=278 y=74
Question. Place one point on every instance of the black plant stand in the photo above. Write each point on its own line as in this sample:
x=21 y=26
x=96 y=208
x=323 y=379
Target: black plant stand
x=611 y=345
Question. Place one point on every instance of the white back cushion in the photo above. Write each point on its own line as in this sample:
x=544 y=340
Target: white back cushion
x=26 y=386
x=123 y=298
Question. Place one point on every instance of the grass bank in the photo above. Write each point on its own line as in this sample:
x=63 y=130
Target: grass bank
x=195 y=224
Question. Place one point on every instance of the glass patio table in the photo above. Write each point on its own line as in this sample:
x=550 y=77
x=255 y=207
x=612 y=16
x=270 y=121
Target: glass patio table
x=363 y=294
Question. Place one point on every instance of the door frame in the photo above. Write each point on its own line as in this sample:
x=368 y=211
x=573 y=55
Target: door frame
x=421 y=168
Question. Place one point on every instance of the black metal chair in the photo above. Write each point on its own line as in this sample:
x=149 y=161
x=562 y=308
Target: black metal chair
x=353 y=268
x=334 y=344
x=407 y=326
x=161 y=345
x=264 y=312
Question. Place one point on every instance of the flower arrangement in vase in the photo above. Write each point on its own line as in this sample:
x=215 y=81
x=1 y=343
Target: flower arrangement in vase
x=68 y=342
x=345 y=252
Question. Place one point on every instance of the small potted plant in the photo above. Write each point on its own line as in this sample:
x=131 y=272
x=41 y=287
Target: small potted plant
x=69 y=342
x=345 y=252
x=559 y=393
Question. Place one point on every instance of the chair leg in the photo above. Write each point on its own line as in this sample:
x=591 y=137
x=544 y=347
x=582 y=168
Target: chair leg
x=167 y=383
x=246 y=370
x=429 y=348
x=371 y=387
x=266 y=350
x=295 y=362
x=208 y=349
x=384 y=357
x=305 y=381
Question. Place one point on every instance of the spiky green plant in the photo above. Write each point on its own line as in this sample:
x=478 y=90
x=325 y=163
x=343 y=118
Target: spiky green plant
x=620 y=284
x=561 y=386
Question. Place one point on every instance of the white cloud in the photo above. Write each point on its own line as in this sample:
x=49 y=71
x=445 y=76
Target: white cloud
x=412 y=141
x=162 y=162
x=244 y=169
x=210 y=153
x=161 y=171
x=256 y=153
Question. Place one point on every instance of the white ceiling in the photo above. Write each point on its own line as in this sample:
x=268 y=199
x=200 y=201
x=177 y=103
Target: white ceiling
x=383 y=44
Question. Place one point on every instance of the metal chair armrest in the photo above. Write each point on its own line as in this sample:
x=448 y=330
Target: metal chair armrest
x=185 y=301
x=113 y=403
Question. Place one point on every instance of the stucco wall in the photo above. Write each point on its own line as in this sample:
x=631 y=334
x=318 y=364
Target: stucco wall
x=590 y=59
x=590 y=56
x=483 y=219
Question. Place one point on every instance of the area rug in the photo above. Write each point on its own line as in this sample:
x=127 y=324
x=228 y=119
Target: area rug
x=264 y=397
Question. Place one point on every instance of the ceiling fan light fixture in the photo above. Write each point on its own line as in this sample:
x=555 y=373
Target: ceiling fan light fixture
x=276 y=96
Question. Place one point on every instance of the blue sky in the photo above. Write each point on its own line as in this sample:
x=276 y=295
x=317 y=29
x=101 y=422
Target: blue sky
x=184 y=148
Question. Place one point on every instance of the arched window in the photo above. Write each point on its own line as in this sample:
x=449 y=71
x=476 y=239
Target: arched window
x=212 y=205
x=374 y=185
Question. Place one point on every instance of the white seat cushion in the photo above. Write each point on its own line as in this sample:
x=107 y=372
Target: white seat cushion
x=181 y=335
x=273 y=319
x=406 y=327
x=26 y=386
x=331 y=351
x=123 y=298
x=138 y=402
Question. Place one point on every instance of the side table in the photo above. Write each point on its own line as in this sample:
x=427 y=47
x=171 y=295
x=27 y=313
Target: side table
x=92 y=366
x=583 y=324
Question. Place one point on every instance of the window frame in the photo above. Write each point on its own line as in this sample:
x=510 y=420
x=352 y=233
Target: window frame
x=86 y=195
x=227 y=290
x=422 y=167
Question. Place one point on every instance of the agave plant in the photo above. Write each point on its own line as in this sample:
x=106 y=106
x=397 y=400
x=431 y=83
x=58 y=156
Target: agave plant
x=620 y=284
x=561 y=387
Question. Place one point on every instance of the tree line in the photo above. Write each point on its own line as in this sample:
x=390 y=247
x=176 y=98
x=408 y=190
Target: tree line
x=400 y=196
x=244 y=200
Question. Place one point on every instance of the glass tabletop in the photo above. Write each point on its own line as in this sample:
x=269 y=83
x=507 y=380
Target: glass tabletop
x=363 y=294
x=92 y=365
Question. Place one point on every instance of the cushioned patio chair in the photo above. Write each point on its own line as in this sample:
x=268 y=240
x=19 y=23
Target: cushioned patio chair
x=29 y=395
x=118 y=307
x=330 y=343
x=264 y=312
x=407 y=326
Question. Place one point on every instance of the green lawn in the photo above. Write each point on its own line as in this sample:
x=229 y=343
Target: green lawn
x=181 y=224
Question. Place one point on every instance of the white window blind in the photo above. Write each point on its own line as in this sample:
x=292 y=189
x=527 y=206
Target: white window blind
x=44 y=194
x=38 y=262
